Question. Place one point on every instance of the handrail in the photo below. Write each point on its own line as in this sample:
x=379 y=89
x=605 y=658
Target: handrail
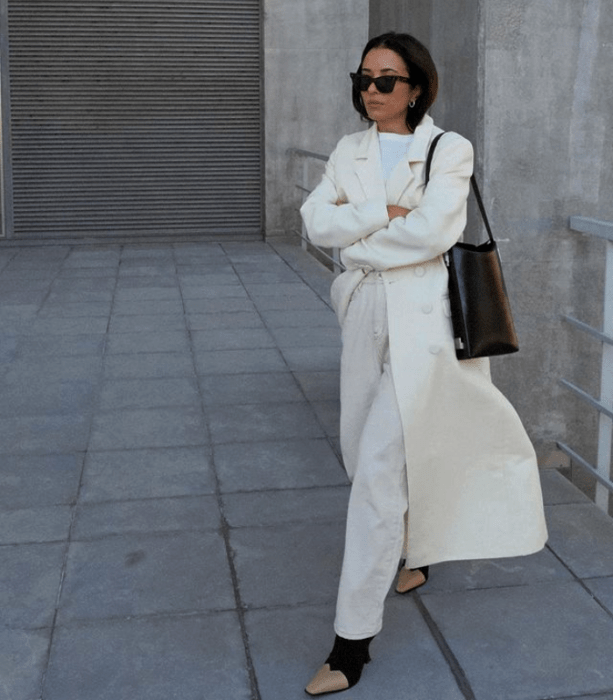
x=594 y=227
x=303 y=187
x=602 y=471
x=308 y=154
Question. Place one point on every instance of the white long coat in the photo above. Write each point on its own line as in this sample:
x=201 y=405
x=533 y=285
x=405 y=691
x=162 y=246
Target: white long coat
x=474 y=489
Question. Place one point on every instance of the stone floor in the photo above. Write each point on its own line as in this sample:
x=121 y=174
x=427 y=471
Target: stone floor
x=172 y=500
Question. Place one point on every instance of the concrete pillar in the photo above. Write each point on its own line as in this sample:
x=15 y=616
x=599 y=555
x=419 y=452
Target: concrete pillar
x=310 y=46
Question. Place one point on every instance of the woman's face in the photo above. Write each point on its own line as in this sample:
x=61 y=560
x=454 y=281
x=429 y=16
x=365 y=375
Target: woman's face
x=388 y=110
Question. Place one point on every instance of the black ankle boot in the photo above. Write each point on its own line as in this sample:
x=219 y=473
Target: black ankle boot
x=343 y=667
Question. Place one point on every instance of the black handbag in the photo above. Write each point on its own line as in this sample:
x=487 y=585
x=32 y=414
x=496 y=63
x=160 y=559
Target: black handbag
x=480 y=310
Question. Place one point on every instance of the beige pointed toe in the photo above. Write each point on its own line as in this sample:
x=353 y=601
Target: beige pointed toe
x=327 y=681
x=409 y=579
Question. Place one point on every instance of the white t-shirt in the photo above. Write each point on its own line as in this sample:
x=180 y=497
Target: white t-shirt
x=394 y=147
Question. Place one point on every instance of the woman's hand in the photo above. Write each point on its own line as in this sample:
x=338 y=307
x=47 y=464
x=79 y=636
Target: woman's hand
x=394 y=211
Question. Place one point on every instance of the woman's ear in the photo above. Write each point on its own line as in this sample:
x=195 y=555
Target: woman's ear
x=415 y=92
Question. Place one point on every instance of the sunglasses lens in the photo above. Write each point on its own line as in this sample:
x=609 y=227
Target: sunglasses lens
x=385 y=83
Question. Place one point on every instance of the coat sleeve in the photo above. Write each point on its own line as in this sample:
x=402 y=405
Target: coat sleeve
x=432 y=227
x=333 y=225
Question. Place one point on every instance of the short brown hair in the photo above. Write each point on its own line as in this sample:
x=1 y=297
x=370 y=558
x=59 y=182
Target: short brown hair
x=420 y=65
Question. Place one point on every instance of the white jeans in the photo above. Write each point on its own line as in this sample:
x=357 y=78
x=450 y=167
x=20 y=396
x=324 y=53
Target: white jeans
x=373 y=450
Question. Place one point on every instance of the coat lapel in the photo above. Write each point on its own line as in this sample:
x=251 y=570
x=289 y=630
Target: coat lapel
x=404 y=174
x=368 y=165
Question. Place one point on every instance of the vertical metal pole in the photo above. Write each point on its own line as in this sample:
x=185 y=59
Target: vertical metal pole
x=336 y=255
x=605 y=425
x=305 y=184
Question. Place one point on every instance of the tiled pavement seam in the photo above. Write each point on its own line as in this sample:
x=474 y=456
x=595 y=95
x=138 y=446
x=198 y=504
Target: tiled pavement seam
x=249 y=504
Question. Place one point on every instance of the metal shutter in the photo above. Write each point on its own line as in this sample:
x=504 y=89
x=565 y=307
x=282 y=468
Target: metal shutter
x=136 y=117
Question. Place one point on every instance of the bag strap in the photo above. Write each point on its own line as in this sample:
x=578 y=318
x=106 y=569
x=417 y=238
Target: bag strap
x=473 y=182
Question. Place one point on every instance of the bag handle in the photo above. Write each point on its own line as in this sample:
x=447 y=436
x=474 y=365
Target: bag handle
x=473 y=182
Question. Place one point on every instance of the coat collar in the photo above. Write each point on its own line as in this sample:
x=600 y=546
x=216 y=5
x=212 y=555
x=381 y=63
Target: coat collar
x=368 y=161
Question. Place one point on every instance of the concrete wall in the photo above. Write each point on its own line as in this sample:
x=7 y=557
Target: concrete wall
x=546 y=115
x=310 y=46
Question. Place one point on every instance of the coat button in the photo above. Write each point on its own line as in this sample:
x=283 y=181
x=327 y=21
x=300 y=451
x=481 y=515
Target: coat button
x=435 y=349
x=420 y=271
x=427 y=308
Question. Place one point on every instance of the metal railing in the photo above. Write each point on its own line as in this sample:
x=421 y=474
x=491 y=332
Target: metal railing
x=307 y=157
x=604 y=405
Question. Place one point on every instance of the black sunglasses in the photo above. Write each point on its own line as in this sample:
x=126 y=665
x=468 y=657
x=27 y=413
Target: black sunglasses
x=384 y=83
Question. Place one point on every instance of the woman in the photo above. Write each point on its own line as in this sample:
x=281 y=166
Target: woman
x=426 y=439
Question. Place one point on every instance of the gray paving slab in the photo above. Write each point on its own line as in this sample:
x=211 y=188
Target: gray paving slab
x=147 y=268
x=150 y=251
x=23 y=659
x=83 y=284
x=148 y=307
x=239 y=361
x=216 y=296
x=79 y=296
x=39 y=481
x=92 y=258
x=289 y=564
x=261 y=387
x=313 y=359
x=309 y=318
x=149 y=365
x=582 y=536
x=69 y=345
x=89 y=272
x=79 y=325
x=522 y=643
x=190 y=658
x=147 y=294
x=48 y=398
x=75 y=309
x=146 y=282
x=20 y=281
x=232 y=339
x=307 y=337
x=176 y=426
x=40 y=524
x=328 y=413
x=261 y=422
x=148 y=473
x=55 y=434
x=320 y=386
x=30 y=577
x=147 y=323
x=220 y=320
x=557 y=489
x=218 y=278
x=296 y=289
x=36 y=370
x=278 y=464
x=216 y=304
x=189 y=513
x=496 y=573
x=148 y=341
x=149 y=393
x=146 y=574
x=602 y=588
x=264 y=508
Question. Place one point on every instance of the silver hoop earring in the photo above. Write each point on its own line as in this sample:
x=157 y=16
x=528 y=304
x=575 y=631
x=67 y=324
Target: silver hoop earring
x=412 y=104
